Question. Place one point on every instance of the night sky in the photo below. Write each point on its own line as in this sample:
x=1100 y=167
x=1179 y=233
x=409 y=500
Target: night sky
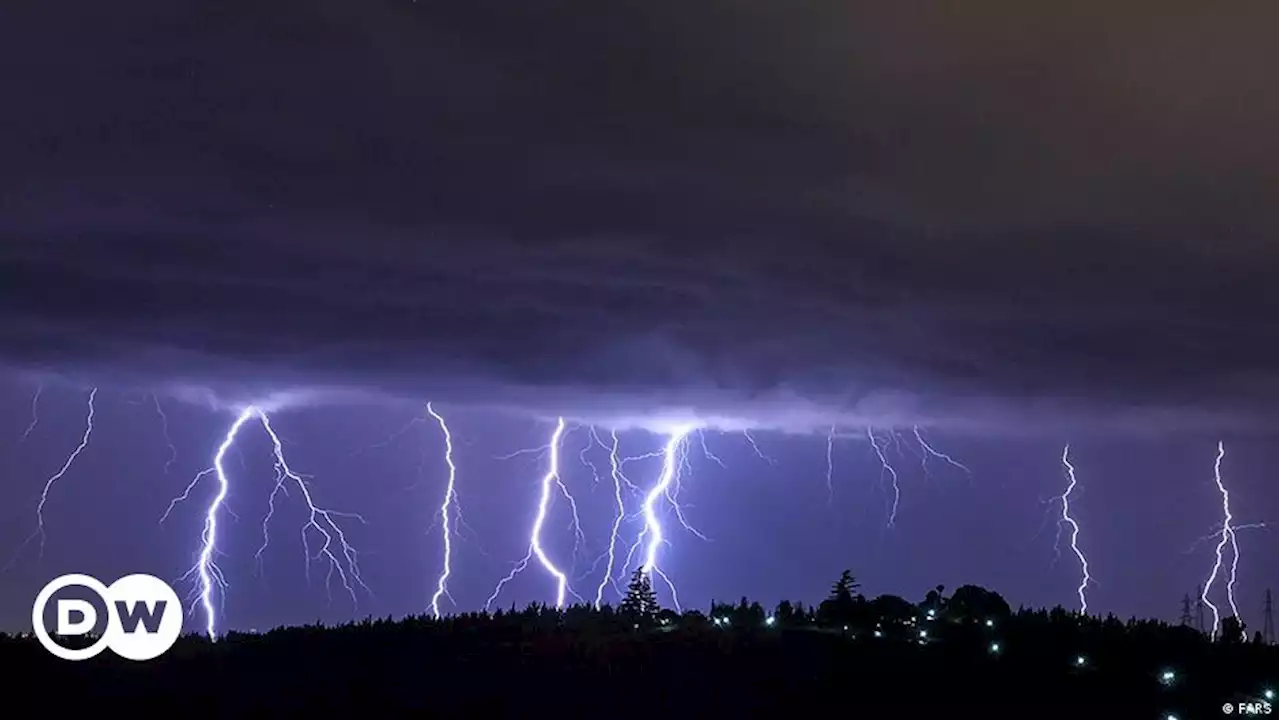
x=1009 y=225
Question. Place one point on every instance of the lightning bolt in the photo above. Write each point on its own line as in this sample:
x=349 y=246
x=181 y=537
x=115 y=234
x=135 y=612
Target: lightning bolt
x=35 y=413
x=1217 y=533
x=535 y=535
x=206 y=567
x=1075 y=528
x=48 y=484
x=886 y=467
x=584 y=455
x=450 y=496
x=652 y=530
x=706 y=451
x=928 y=451
x=317 y=520
x=164 y=429
x=575 y=521
x=1228 y=536
x=756 y=448
x=209 y=576
x=615 y=472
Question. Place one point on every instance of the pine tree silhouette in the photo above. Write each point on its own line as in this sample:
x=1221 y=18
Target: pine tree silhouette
x=640 y=603
x=839 y=605
x=842 y=589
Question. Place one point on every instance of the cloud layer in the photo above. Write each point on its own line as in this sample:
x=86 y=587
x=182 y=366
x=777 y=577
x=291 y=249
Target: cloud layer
x=996 y=217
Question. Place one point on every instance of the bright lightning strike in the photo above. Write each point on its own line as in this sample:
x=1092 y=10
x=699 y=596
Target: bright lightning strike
x=615 y=472
x=1228 y=536
x=652 y=530
x=317 y=520
x=575 y=521
x=450 y=496
x=206 y=568
x=664 y=483
x=48 y=484
x=886 y=467
x=1075 y=528
x=535 y=535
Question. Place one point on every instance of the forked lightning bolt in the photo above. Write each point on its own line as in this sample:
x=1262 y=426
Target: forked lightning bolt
x=1075 y=528
x=1216 y=534
x=446 y=507
x=669 y=469
x=1228 y=536
x=48 y=484
x=652 y=530
x=206 y=569
x=886 y=467
x=575 y=521
x=615 y=472
x=535 y=536
x=706 y=451
x=318 y=519
x=928 y=452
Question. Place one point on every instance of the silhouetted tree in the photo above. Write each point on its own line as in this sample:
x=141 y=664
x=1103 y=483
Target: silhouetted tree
x=1186 y=610
x=839 y=607
x=842 y=589
x=640 y=604
x=755 y=614
x=977 y=603
x=693 y=619
x=785 y=613
x=934 y=600
x=893 y=608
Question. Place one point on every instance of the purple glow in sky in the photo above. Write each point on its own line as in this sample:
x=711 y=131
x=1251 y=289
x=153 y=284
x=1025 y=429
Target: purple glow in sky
x=770 y=532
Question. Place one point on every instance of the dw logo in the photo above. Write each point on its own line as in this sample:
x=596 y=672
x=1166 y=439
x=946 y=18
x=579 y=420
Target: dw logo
x=139 y=616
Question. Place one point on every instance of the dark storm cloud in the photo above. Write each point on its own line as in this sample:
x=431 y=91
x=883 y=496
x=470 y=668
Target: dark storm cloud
x=990 y=212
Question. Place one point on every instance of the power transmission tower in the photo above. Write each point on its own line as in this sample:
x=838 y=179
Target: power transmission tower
x=1269 y=621
x=1200 y=608
x=1186 y=611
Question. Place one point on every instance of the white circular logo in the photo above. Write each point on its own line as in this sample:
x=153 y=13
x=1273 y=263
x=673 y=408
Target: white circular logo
x=144 y=617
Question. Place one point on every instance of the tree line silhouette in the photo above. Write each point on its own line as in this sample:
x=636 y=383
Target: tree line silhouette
x=969 y=649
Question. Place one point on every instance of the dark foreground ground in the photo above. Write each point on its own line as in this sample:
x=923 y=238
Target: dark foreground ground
x=382 y=670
